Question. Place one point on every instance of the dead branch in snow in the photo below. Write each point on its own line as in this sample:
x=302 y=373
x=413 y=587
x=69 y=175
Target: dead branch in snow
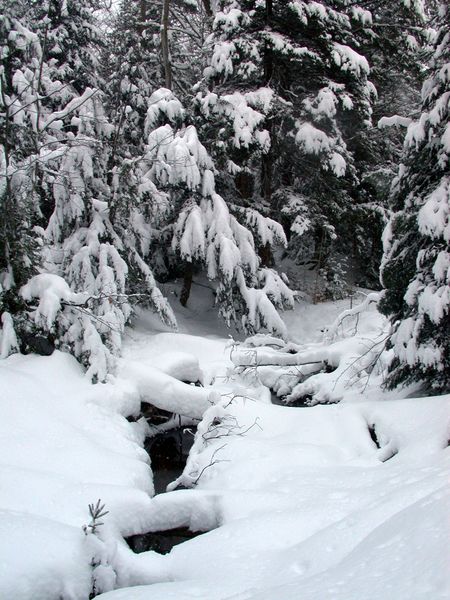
x=211 y=463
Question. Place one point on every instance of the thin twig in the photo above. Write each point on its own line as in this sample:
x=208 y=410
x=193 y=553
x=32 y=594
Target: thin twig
x=211 y=463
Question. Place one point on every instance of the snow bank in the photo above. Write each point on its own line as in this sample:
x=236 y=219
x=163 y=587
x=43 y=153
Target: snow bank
x=63 y=446
x=341 y=502
x=43 y=559
x=65 y=443
x=308 y=509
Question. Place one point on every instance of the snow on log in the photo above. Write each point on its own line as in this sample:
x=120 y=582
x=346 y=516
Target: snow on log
x=166 y=392
x=352 y=358
x=262 y=339
x=267 y=356
x=282 y=380
x=180 y=365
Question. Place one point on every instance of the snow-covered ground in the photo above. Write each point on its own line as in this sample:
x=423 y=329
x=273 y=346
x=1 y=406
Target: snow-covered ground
x=295 y=502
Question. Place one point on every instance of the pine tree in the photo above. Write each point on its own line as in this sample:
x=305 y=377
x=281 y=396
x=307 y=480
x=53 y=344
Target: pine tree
x=393 y=40
x=99 y=238
x=298 y=65
x=20 y=115
x=135 y=67
x=91 y=270
x=70 y=41
x=132 y=69
x=288 y=111
x=173 y=177
x=204 y=232
x=416 y=264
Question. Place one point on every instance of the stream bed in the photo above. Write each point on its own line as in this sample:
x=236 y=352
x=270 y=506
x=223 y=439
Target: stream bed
x=168 y=452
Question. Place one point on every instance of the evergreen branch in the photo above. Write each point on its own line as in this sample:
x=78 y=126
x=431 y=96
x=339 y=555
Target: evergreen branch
x=96 y=511
x=75 y=108
x=23 y=107
x=104 y=296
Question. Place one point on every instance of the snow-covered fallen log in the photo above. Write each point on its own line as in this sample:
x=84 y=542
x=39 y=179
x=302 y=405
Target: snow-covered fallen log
x=166 y=392
x=282 y=380
x=264 y=356
x=183 y=508
x=353 y=346
x=319 y=373
x=211 y=428
x=354 y=359
x=180 y=365
x=262 y=339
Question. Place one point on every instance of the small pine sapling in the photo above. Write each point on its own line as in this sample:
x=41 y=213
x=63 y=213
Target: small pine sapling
x=103 y=574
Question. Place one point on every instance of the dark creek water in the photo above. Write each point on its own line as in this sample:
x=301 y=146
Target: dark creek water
x=168 y=452
x=300 y=403
x=160 y=541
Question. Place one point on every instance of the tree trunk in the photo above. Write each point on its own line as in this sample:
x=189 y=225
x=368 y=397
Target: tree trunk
x=165 y=44
x=187 y=283
x=266 y=255
x=244 y=184
x=207 y=7
x=142 y=16
x=266 y=169
x=268 y=60
x=268 y=72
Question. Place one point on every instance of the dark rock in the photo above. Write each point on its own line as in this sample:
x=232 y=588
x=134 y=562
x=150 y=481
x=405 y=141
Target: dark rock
x=38 y=344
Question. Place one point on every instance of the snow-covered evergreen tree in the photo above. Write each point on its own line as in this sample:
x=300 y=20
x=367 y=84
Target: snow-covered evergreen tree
x=298 y=66
x=393 y=41
x=133 y=70
x=99 y=240
x=205 y=231
x=70 y=40
x=58 y=162
x=167 y=179
x=416 y=265
x=134 y=63
x=288 y=107
x=20 y=115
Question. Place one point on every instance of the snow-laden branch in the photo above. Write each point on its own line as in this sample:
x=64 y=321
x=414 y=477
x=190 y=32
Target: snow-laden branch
x=394 y=121
x=51 y=291
x=372 y=298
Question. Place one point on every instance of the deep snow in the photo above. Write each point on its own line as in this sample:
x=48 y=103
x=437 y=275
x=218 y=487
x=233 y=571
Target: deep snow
x=298 y=502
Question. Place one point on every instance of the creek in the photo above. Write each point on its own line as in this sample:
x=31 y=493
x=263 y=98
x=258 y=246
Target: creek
x=168 y=452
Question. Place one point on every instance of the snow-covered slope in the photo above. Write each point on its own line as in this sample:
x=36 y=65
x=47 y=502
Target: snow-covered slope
x=299 y=503
x=63 y=446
